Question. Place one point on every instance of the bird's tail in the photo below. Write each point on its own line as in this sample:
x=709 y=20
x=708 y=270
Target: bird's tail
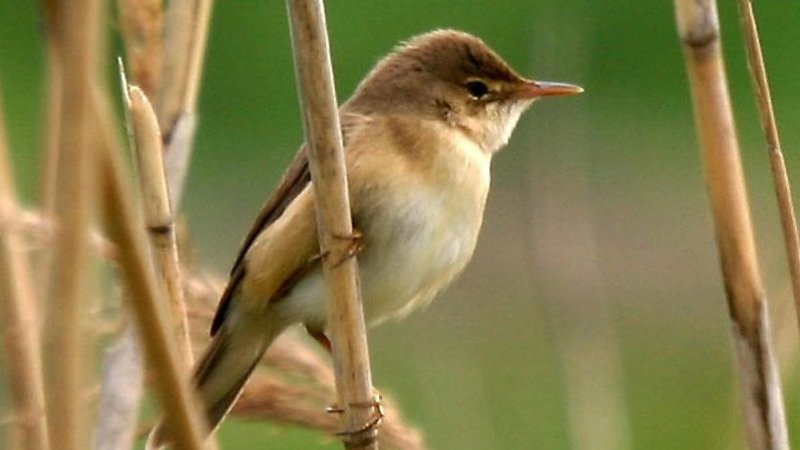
x=228 y=363
x=223 y=369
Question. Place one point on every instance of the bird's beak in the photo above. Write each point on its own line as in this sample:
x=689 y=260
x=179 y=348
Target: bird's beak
x=536 y=89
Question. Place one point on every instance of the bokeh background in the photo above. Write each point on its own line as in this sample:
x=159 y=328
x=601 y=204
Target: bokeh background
x=593 y=315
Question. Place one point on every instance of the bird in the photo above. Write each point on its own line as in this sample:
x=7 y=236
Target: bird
x=419 y=134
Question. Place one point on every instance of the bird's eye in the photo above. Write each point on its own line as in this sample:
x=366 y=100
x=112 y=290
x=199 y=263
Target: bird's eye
x=477 y=89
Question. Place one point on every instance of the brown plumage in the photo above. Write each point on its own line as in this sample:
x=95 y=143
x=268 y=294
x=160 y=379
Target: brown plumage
x=419 y=134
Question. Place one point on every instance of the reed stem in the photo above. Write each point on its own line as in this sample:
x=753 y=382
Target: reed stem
x=698 y=29
x=19 y=317
x=326 y=161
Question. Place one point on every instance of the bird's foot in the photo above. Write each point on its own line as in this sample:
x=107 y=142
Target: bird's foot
x=355 y=246
x=376 y=404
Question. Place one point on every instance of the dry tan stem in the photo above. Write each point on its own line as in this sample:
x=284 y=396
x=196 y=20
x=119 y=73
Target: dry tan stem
x=125 y=228
x=326 y=161
x=158 y=214
x=142 y=23
x=187 y=33
x=780 y=177
x=20 y=321
x=187 y=27
x=186 y=30
x=202 y=21
x=698 y=28
x=53 y=128
x=49 y=178
x=77 y=38
x=565 y=252
x=122 y=363
x=177 y=44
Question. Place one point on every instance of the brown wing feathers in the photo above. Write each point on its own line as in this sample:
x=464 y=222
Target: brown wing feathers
x=295 y=179
x=293 y=182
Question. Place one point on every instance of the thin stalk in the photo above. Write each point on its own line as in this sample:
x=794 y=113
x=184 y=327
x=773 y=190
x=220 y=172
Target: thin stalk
x=77 y=36
x=125 y=229
x=53 y=128
x=167 y=63
x=122 y=383
x=142 y=27
x=188 y=23
x=326 y=161
x=178 y=31
x=565 y=252
x=197 y=53
x=20 y=321
x=158 y=213
x=698 y=29
x=780 y=177
x=50 y=150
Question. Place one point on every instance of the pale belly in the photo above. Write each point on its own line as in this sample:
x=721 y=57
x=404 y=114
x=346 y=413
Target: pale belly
x=418 y=250
x=413 y=246
x=420 y=223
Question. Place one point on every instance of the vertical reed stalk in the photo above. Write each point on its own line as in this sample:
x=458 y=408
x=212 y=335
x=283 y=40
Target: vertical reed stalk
x=77 y=37
x=20 y=321
x=163 y=50
x=565 y=252
x=142 y=26
x=50 y=169
x=698 y=29
x=52 y=120
x=158 y=213
x=326 y=161
x=187 y=28
x=178 y=34
x=125 y=228
x=780 y=175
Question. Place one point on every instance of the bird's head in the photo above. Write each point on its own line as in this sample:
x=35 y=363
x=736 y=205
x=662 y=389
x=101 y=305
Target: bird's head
x=455 y=77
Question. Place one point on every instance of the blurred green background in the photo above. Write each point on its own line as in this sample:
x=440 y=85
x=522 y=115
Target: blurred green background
x=593 y=315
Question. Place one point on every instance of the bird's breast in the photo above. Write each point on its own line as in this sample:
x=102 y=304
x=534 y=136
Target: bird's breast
x=419 y=203
x=420 y=227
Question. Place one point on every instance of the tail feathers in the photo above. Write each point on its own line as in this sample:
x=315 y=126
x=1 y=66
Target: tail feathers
x=228 y=363
x=224 y=368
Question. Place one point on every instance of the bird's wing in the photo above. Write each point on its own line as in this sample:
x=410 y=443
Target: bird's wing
x=296 y=179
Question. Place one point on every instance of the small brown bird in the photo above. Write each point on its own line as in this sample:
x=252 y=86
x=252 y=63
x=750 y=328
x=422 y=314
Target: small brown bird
x=419 y=134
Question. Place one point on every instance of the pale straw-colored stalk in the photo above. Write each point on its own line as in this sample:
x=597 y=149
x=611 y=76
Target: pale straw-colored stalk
x=762 y=402
x=326 y=162
x=564 y=250
x=19 y=316
x=146 y=140
x=166 y=54
x=187 y=26
x=125 y=228
x=76 y=40
x=142 y=27
x=780 y=177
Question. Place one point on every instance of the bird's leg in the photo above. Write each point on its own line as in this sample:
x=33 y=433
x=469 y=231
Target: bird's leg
x=320 y=337
x=376 y=404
